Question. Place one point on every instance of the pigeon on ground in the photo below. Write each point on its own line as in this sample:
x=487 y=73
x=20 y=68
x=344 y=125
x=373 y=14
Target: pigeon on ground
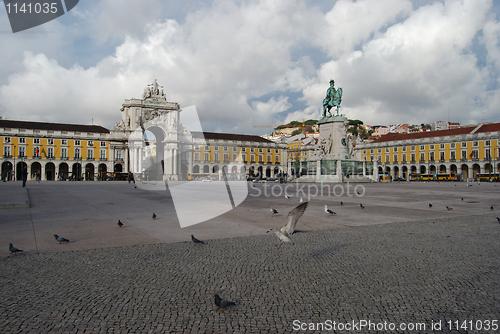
x=430 y=205
x=154 y=215
x=120 y=224
x=274 y=211
x=287 y=197
x=330 y=212
x=222 y=303
x=462 y=198
x=301 y=200
x=498 y=219
x=14 y=250
x=291 y=221
x=449 y=208
x=491 y=207
x=60 y=239
x=361 y=206
x=341 y=203
x=196 y=241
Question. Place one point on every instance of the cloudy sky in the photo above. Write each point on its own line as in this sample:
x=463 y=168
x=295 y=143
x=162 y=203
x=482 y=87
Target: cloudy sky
x=258 y=62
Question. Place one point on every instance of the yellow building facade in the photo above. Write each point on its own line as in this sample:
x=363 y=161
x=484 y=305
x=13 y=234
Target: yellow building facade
x=467 y=152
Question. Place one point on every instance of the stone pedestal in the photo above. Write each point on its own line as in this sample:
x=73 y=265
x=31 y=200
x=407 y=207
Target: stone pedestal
x=333 y=137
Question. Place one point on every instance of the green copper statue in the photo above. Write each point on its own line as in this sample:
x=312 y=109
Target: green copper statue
x=332 y=99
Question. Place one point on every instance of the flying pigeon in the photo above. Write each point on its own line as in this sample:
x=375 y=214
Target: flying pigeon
x=154 y=215
x=361 y=206
x=222 y=303
x=274 y=211
x=328 y=210
x=196 y=241
x=287 y=197
x=60 y=239
x=430 y=205
x=291 y=222
x=14 y=250
x=449 y=208
x=120 y=224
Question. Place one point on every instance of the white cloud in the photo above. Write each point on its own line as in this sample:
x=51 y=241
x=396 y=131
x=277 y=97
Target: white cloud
x=239 y=63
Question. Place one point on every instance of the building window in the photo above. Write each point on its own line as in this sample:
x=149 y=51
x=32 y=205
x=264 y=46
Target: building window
x=102 y=155
x=206 y=147
x=64 y=153
x=413 y=157
x=269 y=158
x=119 y=155
x=226 y=157
x=90 y=143
x=404 y=148
x=487 y=154
x=196 y=147
x=431 y=156
x=50 y=141
x=77 y=153
x=475 y=144
x=371 y=151
x=452 y=153
x=207 y=157
x=487 y=143
x=464 y=155
x=197 y=156
x=64 y=142
x=422 y=157
x=6 y=151
x=404 y=158
x=452 y=145
x=422 y=147
x=234 y=156
x=441 y=146
x=7 y=139
x=22 y=140
x=464 y=144
x=216 y=148
x=77 y=142
x=261 y=158
x=395 y=158
x=252 y=158
x=22 y=151
x=387 y=159
x=475 y=154
x=413 y=148
x=103 y=144
x=36 y=140
x=90 y=154
x=50 y=152
x=225 y=148
x=216 y=157
x=36 y=152
x=441 y=156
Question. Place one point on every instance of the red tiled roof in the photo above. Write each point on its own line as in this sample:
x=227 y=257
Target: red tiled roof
x=230 y=136
x=52 y=126
x=426 y=134
x=489 y=127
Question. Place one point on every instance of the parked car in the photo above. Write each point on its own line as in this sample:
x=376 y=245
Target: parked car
x=399 y=179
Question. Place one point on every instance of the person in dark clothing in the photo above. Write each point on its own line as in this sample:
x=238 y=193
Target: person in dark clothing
x=131 y=177
x=25 y=175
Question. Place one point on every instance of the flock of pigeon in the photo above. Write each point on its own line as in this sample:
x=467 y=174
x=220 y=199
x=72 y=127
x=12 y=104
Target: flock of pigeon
x=283 y=234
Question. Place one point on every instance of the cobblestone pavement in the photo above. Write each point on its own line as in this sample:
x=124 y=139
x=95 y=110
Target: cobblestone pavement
x=416 y=273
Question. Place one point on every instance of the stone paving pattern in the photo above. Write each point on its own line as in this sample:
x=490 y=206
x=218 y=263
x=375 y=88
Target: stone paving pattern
x=419 y=271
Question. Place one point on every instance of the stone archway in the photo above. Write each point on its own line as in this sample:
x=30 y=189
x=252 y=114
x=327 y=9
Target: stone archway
x=442 y=169
x=50 y=171
x=36 y=168
x=89 y=172
x=102 y=169
x=405 y=172
x=395 y=172
x=76 y=172
x=19 y=170
x=63 y=171
x=206 y=169
x=196 y=169
x=465 y=171
x=7 y=171
x=476 y=169
x=118 y=168
x=423 y=169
